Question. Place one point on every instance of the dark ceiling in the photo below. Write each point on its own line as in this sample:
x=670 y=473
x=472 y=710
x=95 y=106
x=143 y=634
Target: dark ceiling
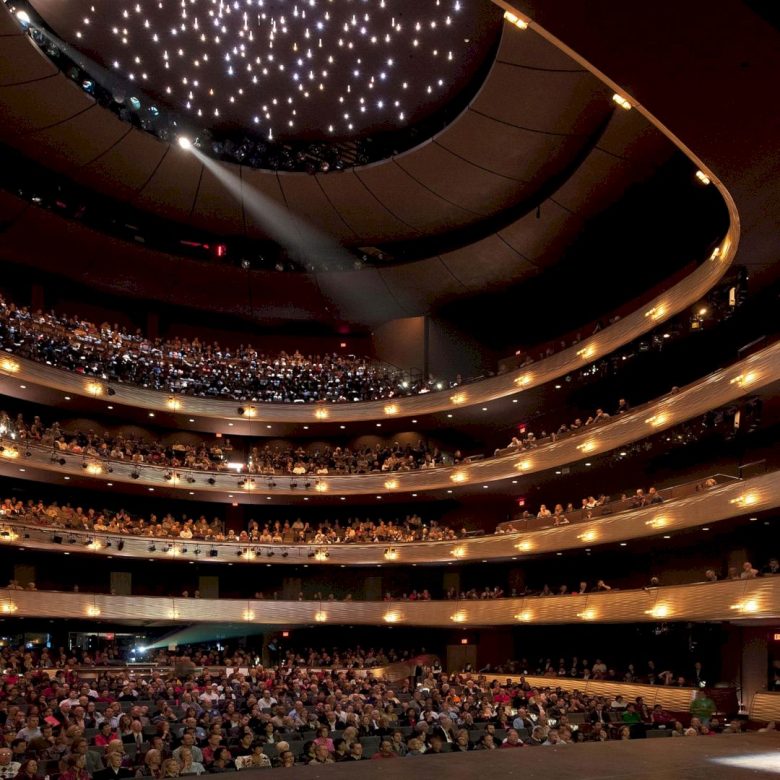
x=282 y=70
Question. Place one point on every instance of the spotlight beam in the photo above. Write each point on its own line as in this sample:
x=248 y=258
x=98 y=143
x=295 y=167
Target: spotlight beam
x=301 y=240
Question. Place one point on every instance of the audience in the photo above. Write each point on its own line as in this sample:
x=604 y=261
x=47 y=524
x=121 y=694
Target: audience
x=215 y=456
x=192 y=367
x=326 y=532
x=312 y=707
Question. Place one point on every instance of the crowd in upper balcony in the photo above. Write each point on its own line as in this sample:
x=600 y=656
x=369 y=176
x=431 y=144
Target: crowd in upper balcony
x=193 y=367
x=526 y=439
x=122 y=523
x=216 y=455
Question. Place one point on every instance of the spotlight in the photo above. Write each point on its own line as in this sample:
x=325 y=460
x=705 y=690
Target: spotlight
x=293 y=484
x=72 y=540
x=120 y=545
x=56 y=539
x=184 y=142
x=239 y=553
x=24 y=18
x=134 y=475
x=168 y=476
x=197 y=551
x=270 y=553
x=190 y=479
x=110 y=391
x=109 y=543
x=285 y=554
x=184 y=549
x=307 y=484
x=152 y=547
x=211 y=481
x=61 y=461
x=213 y=553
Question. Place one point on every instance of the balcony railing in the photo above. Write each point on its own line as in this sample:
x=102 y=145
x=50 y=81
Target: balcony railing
x=717 y=389
x=723 y=502
x=732 y=600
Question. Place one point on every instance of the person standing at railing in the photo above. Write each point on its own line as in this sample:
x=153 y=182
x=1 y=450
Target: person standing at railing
x=702 y=707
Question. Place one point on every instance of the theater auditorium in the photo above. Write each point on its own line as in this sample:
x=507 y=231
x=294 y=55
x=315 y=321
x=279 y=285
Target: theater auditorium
x=389 y=380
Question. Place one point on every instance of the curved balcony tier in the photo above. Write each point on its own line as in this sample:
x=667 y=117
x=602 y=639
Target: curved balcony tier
x=731 y=600
x=721 y=387
x=18 y=371
x=724 y=502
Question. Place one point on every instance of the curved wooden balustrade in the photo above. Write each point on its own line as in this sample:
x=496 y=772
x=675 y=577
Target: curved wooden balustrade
x=666 y=305
x=728 y=600
x=717 y=389
x=720 y=503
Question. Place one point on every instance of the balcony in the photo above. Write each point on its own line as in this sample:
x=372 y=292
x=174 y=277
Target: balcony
x=733 y=600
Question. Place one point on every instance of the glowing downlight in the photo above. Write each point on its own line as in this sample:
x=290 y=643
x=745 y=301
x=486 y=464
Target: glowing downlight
x=621 y=101
x=95 y=389
x=514 y=19
x=9 y=366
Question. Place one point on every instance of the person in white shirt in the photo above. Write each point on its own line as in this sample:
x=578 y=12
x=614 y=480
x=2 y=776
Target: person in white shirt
x=8 y=768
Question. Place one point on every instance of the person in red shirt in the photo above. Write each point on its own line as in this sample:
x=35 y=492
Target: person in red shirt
x=385 y=750
x=512 y=740
x=105 y=735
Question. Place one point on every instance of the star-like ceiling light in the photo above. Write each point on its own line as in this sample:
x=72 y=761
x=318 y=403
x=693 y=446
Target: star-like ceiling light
x=282 y=67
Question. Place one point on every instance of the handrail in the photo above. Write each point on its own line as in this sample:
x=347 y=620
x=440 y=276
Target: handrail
x=705 y=508
x=717 y=389
x=732 y=600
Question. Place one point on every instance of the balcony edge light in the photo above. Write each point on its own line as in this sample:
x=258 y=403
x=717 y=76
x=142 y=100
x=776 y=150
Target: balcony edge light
x=621 y=101
x=515 y=20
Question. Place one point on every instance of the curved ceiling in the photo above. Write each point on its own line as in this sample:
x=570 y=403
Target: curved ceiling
x=283 y=71
x=498 y=157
